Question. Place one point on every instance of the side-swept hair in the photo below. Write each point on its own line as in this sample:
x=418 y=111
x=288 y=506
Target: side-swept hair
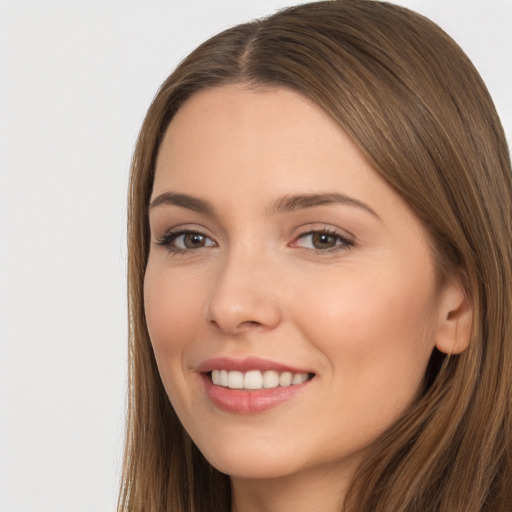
x=414 y=104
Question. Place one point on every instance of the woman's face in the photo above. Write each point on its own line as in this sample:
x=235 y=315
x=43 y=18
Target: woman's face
x=278 y=254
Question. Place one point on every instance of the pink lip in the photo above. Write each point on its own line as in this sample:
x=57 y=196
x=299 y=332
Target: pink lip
x=245 y=365
x=243 y=401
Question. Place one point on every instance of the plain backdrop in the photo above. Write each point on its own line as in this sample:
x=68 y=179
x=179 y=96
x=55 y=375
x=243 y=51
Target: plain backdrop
x=75 y=81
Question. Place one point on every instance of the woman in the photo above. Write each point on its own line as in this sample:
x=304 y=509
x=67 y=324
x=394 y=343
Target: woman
x=319 y=274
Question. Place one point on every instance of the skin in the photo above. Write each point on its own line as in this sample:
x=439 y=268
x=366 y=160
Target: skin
x=364 y=316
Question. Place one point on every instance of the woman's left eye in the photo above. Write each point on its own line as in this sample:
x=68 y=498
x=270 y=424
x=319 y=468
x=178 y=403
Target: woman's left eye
x=322 y=241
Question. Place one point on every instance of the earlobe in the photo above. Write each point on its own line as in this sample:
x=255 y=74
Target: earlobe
x=455 y=319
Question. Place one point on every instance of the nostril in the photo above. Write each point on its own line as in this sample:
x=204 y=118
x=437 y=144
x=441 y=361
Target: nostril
x=251 y=323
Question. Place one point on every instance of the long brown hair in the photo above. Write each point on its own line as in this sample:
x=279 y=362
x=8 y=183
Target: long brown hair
x=414 y=104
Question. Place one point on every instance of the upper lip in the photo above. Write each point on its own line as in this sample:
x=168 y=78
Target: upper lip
x=246 y=364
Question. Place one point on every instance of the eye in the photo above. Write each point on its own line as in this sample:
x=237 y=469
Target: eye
x=323 y=241
x=184 y=241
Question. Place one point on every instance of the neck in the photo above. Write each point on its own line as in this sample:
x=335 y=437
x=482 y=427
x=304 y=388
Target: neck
x=322 y=489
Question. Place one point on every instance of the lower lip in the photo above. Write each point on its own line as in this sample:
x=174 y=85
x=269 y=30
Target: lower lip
x=250 y=402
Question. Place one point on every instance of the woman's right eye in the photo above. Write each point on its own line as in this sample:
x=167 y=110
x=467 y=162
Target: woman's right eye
x=185 y=241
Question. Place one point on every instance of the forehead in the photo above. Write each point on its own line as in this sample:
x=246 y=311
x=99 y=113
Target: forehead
x=269 y=134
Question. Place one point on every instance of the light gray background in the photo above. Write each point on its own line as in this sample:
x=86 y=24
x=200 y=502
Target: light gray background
x=75 y=81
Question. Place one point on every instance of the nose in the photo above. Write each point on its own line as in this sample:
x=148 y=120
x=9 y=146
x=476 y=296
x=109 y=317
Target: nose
x=245 y=295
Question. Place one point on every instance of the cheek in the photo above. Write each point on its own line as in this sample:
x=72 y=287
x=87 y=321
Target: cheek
x=173 y=311
x=375 y=340
x=373 y=329
x=172 y=301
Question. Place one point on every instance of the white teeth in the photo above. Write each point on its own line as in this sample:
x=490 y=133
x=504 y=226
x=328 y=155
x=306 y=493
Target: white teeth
x=299 y=378
x=285 y=379
x=223 y=378
x=235 y=380
x=255 y=379
x=270 y=379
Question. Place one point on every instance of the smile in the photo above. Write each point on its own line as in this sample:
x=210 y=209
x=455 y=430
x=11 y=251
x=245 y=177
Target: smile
x=255 y=379
x=252 y=385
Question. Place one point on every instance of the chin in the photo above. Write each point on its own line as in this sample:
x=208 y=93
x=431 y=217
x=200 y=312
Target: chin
x=245 y=467
x=250 y=455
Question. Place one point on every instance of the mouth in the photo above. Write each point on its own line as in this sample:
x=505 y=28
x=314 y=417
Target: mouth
x=252 y=385
x=257 y=379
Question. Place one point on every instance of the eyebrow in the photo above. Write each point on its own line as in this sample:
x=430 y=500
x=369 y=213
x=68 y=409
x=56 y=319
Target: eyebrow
x=303 y=201
x=183 y=200
x=288 y=203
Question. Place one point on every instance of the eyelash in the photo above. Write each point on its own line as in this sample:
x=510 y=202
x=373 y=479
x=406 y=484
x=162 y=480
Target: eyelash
x=342 y=242
x=170 y=237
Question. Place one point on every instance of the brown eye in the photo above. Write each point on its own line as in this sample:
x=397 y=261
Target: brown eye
x=192 y=241
x=183 y=241
x=323 y=241
x=320 y=240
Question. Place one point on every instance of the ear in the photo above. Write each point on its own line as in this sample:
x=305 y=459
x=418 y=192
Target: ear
x=455 y=318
